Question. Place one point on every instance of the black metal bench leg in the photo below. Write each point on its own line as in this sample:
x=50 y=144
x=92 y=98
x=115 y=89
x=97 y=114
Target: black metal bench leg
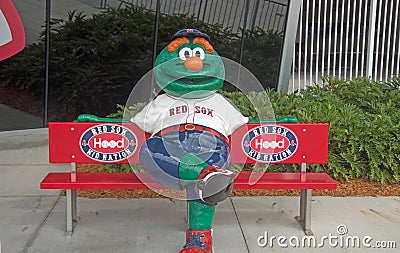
x=304 y=218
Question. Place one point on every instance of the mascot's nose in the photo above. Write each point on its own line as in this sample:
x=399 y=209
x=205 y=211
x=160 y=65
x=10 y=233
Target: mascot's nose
x=194 y=63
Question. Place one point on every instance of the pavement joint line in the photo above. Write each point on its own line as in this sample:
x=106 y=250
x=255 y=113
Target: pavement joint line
x=28 y=196
x=240 y=226
x=34 y=131
x=27 y=165
x=35 y=233
x=28 y=145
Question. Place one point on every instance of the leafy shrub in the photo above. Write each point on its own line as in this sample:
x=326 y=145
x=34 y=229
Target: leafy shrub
x=95 y=61
x=364 y=124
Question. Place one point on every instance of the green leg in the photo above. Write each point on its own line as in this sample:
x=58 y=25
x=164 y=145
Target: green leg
x=190 y=167
x=200 y=215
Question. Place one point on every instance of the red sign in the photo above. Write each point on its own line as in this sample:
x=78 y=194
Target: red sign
x=108 y=143
x=94 y=142
x=280 y=143
x=12 y=35
x=251 y=143
x=269 y=143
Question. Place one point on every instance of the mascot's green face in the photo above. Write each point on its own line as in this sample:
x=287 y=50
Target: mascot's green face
x=189 y=66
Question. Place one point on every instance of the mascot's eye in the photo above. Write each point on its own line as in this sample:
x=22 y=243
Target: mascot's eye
x=199 y=52
x=185 y=53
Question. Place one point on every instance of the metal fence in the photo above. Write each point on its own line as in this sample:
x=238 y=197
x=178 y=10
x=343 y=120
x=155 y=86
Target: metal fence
x=346 y=39
x=341 y=38
x=265 y=14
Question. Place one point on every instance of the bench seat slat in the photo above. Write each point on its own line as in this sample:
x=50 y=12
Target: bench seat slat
x=62 y=180
x=279 y=180
x=120 y=181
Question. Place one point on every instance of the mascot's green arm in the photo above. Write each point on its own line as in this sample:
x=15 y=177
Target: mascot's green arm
x=283 y=119
x=94 y=118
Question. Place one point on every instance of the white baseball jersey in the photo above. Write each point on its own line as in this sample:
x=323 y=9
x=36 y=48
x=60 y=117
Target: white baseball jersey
x=213 y=111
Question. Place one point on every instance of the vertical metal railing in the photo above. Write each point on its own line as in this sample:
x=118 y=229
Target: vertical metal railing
x=371 y=36
x=346 y=39
x=288 y=49
x=268 y=15
x=103 y=4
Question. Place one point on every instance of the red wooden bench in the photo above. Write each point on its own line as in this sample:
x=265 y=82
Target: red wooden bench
x=100 y=143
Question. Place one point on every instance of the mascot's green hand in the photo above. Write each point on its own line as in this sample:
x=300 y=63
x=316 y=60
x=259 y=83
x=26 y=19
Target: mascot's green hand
x=283 y=119
x=94 y=118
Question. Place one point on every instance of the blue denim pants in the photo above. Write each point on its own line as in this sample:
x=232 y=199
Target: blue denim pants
x=160 y=155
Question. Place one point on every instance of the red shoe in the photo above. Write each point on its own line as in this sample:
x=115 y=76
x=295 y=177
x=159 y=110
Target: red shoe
x=198 y=241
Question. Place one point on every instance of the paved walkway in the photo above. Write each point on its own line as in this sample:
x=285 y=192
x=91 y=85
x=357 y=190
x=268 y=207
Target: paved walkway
x=33 y=12
x=13 y=119
x=33 y=220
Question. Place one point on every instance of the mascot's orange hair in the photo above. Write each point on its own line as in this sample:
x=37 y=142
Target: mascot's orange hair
x=205 y=44
x=176 y=43
x=197 y=40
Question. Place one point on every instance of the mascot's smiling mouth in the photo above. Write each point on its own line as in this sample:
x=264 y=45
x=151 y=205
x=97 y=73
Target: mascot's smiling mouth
x=196 y=80
x=191 y=79
x=205 y=64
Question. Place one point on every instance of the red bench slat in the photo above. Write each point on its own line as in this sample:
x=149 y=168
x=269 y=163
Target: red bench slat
x=120 y=181
x=286 y=180
x=312 y=148
x=61 y=180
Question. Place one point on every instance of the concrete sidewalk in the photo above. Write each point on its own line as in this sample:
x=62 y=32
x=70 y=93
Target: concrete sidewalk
x=33 y=220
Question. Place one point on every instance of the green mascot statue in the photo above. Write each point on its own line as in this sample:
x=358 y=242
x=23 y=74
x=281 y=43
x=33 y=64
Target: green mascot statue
x=190 y=127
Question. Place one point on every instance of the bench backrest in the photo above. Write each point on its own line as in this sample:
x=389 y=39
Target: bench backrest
x=252 y=143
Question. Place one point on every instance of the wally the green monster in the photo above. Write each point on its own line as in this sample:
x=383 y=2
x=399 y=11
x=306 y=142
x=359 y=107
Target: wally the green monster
x=190 y=127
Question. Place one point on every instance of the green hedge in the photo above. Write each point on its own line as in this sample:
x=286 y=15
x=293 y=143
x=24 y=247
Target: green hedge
x=364 y=124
